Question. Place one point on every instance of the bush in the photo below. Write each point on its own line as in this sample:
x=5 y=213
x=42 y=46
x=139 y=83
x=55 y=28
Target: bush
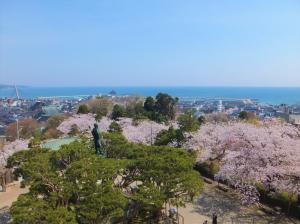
x=188 y=122
x=249 y=117
x=118 y=111
x=22 y=184
x=285 y=199
x=201 y=120
x=83 y=109
x=116 y=145
x=114 y=127
x=262 y=190
x=161 y=109
x=170 y=136
x=135 y=108
x=288 y=202
x=208 y=168
x=74 y=130
x=100 y=112
x=34 y=142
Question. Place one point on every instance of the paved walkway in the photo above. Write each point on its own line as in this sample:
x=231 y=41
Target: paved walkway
x=228 y=208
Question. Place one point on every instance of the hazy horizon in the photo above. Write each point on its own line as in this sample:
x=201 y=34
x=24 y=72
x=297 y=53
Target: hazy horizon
x=150 y=43
x=145 y=86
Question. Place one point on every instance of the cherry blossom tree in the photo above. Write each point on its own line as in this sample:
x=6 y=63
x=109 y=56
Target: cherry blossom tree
x=10 y=148
x=268 y=154
x=85 y=123
x=145 y=132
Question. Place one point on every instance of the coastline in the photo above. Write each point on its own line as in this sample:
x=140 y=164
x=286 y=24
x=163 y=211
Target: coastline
x=263 y=95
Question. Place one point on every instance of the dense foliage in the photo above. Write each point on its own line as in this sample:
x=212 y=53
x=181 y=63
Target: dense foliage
x=249 y=117
x=188 y=121
x=118 y=111
x=162 y=108
x=73 y=185
x=115 y=127
x=171 y=136
x=83 y=109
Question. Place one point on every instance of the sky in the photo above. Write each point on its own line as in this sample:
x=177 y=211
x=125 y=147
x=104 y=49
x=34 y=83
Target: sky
x=150 y=42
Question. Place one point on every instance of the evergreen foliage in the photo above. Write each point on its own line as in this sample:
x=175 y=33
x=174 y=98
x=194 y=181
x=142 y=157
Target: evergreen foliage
x=188 y=121
x=171 y=136
x=162 y=109
x=83 y=109
x=73 y=185
x=118 y=111
x=115 y=127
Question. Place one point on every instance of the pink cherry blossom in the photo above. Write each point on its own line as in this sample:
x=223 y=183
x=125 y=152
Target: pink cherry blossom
x=85 y=123
x=145 y=132
x=141 y=133
x=268 y=153
x=10 y=148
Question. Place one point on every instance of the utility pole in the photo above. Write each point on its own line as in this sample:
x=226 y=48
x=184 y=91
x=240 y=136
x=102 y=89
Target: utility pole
x=18 y=135
x=151 y=134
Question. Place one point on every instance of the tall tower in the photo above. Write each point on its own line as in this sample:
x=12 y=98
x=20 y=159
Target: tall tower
x=17 y=92
x=220 y=106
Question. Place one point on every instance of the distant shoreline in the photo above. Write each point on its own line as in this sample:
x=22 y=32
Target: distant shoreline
x=265 y=95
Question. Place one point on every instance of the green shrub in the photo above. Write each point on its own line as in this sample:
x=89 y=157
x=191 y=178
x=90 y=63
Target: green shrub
x=100 y=112
x=74 y=130
x=22 y=184
x=188 y=121
x=83 y=109
x=288 y=202
x=208 y=168
x=169 y=136
x=114 y=127
x=284 y=198
x=118 y=111
x=262 y=190
x=34 y=142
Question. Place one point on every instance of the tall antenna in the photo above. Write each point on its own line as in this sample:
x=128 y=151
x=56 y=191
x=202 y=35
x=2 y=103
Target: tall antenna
x=17 y=92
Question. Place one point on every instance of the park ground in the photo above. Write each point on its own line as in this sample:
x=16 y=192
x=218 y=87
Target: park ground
x=229 y=209
x=213 y=199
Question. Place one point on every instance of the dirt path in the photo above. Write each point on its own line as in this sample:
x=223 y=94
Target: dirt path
x=11 y=194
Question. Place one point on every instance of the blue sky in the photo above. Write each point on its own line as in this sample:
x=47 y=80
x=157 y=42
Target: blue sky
x=150 y=42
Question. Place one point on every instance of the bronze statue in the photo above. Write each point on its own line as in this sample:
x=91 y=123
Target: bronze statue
x=97 y=140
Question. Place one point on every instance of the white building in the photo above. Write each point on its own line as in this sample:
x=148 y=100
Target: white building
x=220 y=106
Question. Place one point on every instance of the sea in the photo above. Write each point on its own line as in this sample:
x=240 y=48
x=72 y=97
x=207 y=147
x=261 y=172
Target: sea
x=263 y=95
